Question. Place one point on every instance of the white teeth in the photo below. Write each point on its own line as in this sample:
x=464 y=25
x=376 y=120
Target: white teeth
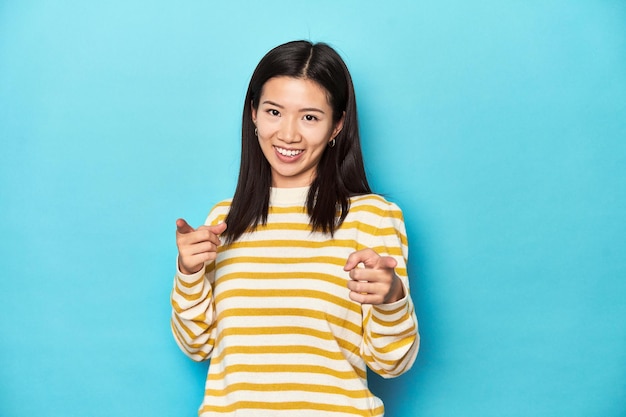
x=287 y=152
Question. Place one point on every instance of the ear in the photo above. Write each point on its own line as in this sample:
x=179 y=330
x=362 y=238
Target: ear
x=338 y=126
x=253 y=112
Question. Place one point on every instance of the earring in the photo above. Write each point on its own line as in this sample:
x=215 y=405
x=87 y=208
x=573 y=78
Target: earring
x=256 y=132
x=332 y=143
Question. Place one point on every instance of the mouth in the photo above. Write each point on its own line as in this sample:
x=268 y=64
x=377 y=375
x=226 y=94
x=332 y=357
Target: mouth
x=289 y=153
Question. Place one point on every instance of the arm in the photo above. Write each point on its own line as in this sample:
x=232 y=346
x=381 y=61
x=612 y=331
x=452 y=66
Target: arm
x=193 y=313
x=390 y=331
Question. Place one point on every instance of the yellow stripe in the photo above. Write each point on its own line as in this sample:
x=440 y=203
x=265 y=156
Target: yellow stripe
x=281 y=368
x=203 y=325
x=390 y=347
x=284 y=261
x=373 y=230
x=225 y=203
x=190 y=284
x=295 y=405
x=178 y=336
x=367 y=197
x=391 y=312
x=292 y=261
x=409 y=331
x=287 y=210
x=355 y=207
x=287 y=312
x=364 y=227
x=331 y=279
x=189 y=297
x=191 y=348
x=255 y=331
x=288 y=293
x=286 y=350
x=367 y=203
x=383 y=250
x=324 y=389
x=342 y=243
x=378 y=211
x=386 y=323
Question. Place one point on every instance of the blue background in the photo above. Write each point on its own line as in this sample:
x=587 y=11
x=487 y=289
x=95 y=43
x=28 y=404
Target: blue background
x=498 y=127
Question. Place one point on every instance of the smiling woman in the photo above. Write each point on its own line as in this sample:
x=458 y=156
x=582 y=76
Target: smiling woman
x=310 y=285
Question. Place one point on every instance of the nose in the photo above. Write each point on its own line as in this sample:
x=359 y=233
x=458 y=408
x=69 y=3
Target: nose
x=288 y=131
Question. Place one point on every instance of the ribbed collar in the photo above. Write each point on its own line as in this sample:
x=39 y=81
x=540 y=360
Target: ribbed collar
x=288 y=196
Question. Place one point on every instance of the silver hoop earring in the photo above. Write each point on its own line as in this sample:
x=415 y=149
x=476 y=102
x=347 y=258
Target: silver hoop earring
x=256 y=132
x=332 y=143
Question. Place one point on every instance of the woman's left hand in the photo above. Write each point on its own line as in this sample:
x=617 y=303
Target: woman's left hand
x=377 y=282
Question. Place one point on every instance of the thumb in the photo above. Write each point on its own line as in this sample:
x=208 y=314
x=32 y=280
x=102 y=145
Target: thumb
x=218 y=229
x=183 y=227
x=387 y=262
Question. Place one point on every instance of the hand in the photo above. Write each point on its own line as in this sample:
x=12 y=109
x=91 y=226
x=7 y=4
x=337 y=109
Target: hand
x=196 y=246
x=377 y=283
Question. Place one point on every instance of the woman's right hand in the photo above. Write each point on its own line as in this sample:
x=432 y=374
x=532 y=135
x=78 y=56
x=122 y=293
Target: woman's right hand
x=196 y=246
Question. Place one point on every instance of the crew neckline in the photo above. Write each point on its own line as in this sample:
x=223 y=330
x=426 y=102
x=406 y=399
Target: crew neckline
x=296 y=195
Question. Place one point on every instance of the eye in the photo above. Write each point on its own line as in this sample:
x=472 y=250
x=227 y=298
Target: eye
x=273 y=112
x=310 y=118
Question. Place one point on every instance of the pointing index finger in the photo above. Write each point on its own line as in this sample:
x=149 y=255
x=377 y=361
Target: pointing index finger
x=183 y=227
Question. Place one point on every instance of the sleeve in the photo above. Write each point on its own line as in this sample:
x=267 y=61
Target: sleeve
x=390 y=331
x=193 y=311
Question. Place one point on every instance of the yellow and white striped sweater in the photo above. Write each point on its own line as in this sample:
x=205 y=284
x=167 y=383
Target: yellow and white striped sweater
x=274 y=316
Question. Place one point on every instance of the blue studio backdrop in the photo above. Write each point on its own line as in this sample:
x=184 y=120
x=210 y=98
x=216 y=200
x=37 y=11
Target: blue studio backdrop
x=498 y=126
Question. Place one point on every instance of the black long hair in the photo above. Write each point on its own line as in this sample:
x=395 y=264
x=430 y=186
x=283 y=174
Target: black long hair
x=340 y=173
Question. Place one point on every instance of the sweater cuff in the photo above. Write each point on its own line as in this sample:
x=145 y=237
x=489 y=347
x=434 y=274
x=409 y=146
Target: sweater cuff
x=396 y=304
x=188 y=279
x=393 y=312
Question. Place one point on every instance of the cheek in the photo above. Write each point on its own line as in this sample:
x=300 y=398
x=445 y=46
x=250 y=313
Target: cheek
x=264 y=144
x=264 y=130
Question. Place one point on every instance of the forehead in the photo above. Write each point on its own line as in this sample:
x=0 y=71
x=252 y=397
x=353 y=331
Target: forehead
x=286 y=90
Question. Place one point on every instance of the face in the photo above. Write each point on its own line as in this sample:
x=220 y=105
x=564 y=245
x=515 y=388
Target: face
x=295 y=124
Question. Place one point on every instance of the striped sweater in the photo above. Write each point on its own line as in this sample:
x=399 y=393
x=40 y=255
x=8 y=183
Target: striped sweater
x=273 y=314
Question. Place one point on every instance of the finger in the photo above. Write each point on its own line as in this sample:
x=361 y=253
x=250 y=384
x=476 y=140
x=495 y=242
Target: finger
x=198 y=248
x=362 y=287
x=374 y=276
x=365 y=298
x=366 y=256
x=218 y=229
x=183 y=227
x=195 y=262
x=210 y=233
x=387 y=262
x=364 y=274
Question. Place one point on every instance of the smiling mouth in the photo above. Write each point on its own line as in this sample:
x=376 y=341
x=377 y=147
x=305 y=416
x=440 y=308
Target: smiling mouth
x=288 y=152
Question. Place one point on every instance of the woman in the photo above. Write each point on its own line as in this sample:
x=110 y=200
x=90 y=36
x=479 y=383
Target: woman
x=299 y=282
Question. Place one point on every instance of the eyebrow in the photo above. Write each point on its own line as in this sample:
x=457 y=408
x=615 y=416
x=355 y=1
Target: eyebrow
x=306 y=109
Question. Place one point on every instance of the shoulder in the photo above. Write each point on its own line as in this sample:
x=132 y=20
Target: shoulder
x=219 y=212
x=380 y=218
x=375 y=204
